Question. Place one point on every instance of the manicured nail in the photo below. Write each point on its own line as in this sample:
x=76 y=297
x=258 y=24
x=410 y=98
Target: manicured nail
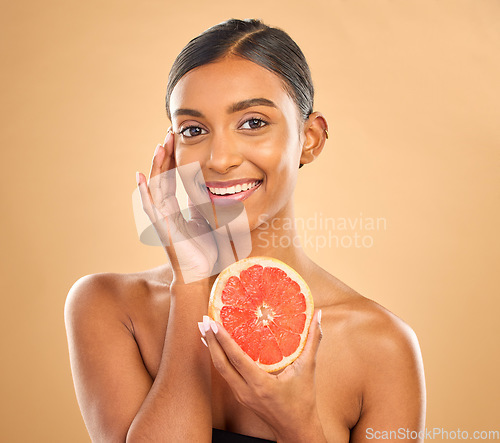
x=206 y=322
x=201 y=328
x=137 y=177
x=213 y=326
x=169 y=134
x=319 y=317
x=156 y=150
x=204 y=341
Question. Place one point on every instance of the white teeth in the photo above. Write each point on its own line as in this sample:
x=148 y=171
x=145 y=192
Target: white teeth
x=233 y=189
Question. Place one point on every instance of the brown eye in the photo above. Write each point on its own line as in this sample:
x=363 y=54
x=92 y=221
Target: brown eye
x=191 y=131
x=254 y=123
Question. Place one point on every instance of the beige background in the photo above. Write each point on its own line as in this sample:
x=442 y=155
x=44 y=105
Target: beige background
x=411 y=92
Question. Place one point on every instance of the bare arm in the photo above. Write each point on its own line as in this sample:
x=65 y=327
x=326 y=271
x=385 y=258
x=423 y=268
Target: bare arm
x=117 y=396
x=179 y=402
x=394 y=393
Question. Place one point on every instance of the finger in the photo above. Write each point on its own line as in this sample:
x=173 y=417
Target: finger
x=157 y=219
x=315 y=334
x=146 y=200
x=141 y=178
x=161 y=184
x=154 y=175
x=219 y=358
x=238 y=359
x=167 y=179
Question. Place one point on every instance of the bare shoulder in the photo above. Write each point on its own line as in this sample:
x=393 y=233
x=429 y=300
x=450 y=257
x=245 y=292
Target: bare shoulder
x=371 y=328
x=115 y=326
x=378 y=353
x=364 y=324
x=123 y=296
x=116 y=321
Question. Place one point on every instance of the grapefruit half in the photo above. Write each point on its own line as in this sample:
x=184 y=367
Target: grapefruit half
x=266 y=307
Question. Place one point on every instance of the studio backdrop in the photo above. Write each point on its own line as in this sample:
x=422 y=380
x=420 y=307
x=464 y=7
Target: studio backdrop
x=402 y=205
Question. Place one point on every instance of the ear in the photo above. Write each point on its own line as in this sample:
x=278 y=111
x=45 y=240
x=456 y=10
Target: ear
x=315 y=135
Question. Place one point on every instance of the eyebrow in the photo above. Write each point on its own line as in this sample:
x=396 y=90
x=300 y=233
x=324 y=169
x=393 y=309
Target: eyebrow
x=235 y=107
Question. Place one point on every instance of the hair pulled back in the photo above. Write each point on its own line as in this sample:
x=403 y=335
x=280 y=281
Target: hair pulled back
x=271 y=48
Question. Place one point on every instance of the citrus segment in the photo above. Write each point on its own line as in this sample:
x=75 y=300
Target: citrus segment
x=287 y=341
x=270 y=353
x=233 y=317
x=266 y=307
x=291 y=323
x=252 y=282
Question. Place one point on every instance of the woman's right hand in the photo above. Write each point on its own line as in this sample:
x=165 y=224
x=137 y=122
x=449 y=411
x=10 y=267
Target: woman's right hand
x=190 y=244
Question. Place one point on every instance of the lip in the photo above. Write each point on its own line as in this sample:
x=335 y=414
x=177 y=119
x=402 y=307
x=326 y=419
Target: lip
x=239 y=196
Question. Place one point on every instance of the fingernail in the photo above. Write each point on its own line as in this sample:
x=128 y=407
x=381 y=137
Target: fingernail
x=201 y=328
x=213 y=326
x=137 y=177
x=206 y=322
x=169 y=134
x=156 y=150
x=204 y=341
x=319 y=317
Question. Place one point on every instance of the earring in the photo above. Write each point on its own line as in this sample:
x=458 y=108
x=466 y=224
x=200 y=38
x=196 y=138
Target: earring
x=326 y=132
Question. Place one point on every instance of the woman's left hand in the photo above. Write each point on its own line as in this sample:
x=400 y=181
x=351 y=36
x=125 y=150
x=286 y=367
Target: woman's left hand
x=285 y=401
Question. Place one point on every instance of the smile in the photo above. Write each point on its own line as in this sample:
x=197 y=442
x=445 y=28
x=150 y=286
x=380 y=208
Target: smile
x=235 y=189
x=232 y=190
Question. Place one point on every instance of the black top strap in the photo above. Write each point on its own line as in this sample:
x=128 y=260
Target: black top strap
x=220 y=436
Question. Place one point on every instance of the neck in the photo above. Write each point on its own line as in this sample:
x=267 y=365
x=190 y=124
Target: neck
x=277 y=237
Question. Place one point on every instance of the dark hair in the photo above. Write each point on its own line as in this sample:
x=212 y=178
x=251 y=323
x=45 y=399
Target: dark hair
x=271 y=48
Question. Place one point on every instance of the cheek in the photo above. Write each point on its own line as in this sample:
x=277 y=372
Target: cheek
x=185 y=155
x=279 y=155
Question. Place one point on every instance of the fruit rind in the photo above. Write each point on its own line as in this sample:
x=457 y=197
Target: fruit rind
x=216 y=304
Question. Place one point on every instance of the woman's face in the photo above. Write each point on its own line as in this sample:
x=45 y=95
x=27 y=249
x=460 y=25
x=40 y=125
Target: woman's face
x=235 y=118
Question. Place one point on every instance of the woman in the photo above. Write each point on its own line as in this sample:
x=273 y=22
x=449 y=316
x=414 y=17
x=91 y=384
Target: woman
x=240 y=100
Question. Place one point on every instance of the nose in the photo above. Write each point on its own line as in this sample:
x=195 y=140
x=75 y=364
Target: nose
x=224 y=154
